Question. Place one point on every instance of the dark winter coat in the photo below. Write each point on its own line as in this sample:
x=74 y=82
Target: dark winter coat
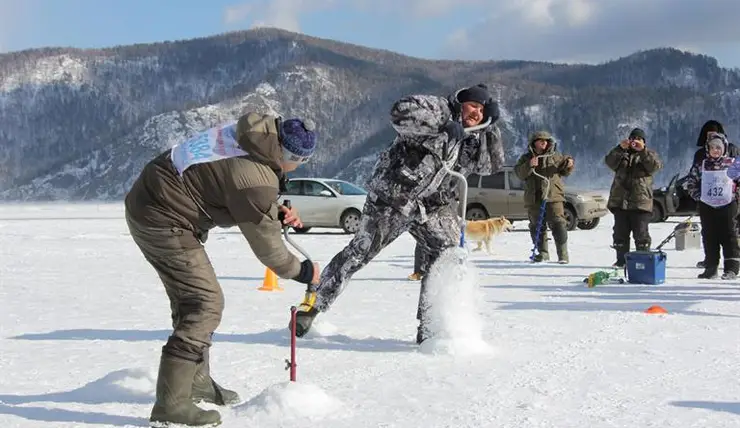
x=553 y=167
x=632 y=187
x=239 y=191
x=410 y=176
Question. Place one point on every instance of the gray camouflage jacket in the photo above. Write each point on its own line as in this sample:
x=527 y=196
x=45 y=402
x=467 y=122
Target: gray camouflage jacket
x=409 y=175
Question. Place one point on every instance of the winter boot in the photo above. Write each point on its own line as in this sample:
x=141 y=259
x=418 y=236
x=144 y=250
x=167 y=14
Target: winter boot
x=174 y=404
x=560 y=235
x=709 y=273
x=731 y=268
x=305 y=314
x=621 y=250
x=563 y=258
x=206 y=389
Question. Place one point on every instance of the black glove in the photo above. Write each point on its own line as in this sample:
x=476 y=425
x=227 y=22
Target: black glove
x=454 y=130
x=305 y=276
x=491 y=110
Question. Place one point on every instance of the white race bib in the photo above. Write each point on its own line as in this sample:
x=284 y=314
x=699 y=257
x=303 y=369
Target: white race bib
x=208 y=146
x=716 y=188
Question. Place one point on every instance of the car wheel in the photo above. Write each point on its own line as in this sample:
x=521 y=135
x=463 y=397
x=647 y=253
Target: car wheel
x=589 y=224
x=476 y=212
x=301 y=229
x=657 y=216
x=571 y=222
x=350 y=221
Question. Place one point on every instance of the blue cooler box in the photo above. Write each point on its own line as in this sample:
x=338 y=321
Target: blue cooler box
x=645 y=267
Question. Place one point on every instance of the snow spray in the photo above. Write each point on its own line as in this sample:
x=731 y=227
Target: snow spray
x=452 y=292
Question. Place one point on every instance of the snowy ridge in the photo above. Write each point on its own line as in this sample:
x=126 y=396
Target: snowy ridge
x=66 y=112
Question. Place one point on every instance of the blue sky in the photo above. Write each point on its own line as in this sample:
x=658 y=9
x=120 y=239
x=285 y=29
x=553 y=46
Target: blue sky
x=552 y=30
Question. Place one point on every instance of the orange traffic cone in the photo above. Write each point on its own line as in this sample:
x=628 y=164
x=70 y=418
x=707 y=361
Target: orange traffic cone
x=655 y=309
x=270 y=283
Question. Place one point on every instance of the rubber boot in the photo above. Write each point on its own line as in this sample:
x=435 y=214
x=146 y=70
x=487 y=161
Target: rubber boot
x=305 y=315
x=174 y=404
x=206 y=389
x=543 y=253
x=560 y=235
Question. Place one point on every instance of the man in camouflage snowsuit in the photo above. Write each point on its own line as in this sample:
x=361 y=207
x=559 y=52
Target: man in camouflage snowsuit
x=410 y=189
x=543 y=158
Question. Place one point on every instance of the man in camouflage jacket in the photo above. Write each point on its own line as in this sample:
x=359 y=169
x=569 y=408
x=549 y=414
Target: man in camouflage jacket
x=410 y=190
x=631 y=194
x=543 y=158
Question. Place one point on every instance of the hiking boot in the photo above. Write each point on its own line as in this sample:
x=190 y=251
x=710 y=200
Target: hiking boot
x=709 y=273
x=174 y=404
x=729 y=275
x=305 y=315
x=416 y=276
x=206 y=389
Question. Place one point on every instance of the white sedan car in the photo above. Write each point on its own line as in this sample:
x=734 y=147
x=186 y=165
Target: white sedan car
x=325 y=202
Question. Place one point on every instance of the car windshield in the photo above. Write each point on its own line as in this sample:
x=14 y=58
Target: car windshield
x=345 y=188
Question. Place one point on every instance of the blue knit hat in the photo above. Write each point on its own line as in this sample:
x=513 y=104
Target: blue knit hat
x=298 y=139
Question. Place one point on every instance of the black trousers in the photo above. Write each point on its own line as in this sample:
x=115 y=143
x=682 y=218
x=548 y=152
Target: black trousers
x=630 y=222
x=720 y=231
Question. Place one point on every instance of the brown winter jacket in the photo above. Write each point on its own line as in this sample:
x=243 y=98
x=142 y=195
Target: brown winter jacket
x=632 y=188
x=553 y=167
x=241 y=191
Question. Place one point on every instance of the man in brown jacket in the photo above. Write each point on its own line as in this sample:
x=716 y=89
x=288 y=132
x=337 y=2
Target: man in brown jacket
x=543 y=158
x=226 y=176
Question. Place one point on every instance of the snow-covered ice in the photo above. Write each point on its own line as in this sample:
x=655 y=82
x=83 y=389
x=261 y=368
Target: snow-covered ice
x=83 y=318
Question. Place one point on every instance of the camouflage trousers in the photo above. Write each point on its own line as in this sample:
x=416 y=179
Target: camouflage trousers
x=380 y=226
x=421 y=262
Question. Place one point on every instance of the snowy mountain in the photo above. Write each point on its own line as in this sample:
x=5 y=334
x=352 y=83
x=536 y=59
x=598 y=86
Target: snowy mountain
x=79 y=124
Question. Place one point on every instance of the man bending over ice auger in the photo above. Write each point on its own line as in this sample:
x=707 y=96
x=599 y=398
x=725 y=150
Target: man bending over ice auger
x=410 y=189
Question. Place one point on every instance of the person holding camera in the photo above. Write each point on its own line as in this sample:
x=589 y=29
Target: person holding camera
x=631 y=193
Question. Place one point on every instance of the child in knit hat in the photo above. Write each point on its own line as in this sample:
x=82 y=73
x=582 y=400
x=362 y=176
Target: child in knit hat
x=716 y=194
